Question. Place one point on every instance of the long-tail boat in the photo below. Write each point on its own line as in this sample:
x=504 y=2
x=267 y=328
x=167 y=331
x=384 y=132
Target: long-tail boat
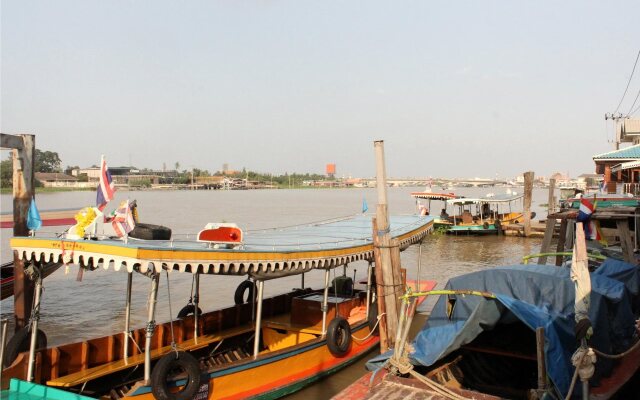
x=485 y=215
x=256 y=349
x=442 y=219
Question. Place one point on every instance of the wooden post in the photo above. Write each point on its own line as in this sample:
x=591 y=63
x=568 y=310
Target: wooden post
x=23 y=191
x=384 y=238
x=542 y=368
x=551 y=223
x=562 y=236
x=398 y=281
x=528 y=192
x=625 y=240
x=380 y=290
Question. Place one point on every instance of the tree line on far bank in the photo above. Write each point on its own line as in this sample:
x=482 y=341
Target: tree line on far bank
x=49 y=161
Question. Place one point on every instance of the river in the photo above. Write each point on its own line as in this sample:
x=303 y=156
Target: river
x=94 y=306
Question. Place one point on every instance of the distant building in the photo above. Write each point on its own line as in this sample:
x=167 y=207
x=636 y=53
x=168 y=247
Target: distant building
x=331 y=170
x=620 y=167
x=55 y=179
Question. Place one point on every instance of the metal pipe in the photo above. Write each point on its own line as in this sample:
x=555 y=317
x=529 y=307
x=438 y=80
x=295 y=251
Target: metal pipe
x=256 y=339
x=419 y=266
x=5 y=325
x=302 y=287
x=411 y=308
x=34 y=327
x=151 y=324
x=325 y=299
x=127 y=317
x=196 y=302
x=369 y=270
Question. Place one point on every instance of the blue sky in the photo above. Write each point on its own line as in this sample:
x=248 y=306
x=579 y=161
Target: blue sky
x=457 y=89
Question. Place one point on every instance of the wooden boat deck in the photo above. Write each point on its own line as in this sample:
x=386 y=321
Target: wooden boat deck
x=89 y=374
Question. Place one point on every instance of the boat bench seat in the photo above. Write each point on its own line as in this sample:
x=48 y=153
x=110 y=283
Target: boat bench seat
x=80 y=377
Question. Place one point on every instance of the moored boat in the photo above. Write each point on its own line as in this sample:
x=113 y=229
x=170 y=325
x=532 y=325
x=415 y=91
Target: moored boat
x=487 y=215
x=264 y=348
x=442 y=220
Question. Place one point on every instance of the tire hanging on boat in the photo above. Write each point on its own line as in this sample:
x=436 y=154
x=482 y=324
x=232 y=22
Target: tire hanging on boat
x=339 y=337
x=189 y=309
x=20 y=342
x=189 y=369
x=239 y=296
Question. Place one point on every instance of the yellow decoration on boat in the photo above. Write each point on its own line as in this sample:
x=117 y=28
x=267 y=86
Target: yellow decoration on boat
x=84 y=218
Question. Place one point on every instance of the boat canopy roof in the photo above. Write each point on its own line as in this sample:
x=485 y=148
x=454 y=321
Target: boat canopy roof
x=538 y=296
x=276 y=252
x=434 y=196
x=497 y=199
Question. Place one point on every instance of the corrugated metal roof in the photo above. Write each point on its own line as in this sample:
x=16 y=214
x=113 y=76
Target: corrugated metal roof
x=628 y=153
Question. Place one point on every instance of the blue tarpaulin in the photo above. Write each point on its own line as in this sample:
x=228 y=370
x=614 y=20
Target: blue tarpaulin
x=538 y=296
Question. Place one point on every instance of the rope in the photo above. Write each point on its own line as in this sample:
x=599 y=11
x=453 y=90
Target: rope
x=372 y=330
x=584 y=360
x=616 y=356
x=404 y=367
x=173 y=340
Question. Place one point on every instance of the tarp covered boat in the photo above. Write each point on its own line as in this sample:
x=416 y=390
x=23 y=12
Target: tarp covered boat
x=489 y=343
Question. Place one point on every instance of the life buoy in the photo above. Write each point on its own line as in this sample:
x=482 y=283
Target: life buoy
x=170 y=365
x=150 y=232
x=372 y=319
x=189 y=309
x=240 y=295
x=20 y=342
x=339 y=337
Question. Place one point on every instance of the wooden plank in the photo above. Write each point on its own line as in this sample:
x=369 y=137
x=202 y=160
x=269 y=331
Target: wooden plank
x=546 y=242
x=626 y=242
x=11 y=141
x=380 y=289
x=561 y=238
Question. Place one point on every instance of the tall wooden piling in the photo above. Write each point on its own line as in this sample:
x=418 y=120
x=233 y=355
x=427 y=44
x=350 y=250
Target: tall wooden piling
x=551 y=223
x=23 y=191
x=388 y=286
x=528 y=192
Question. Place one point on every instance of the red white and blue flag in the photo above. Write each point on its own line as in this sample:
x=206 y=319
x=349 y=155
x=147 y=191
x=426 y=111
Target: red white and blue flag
x=591 y=228
x=123 y=221
x=106 y=188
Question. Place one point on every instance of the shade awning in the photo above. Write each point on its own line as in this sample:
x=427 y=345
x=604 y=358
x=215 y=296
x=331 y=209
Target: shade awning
x=626 y=165
x=290 y=250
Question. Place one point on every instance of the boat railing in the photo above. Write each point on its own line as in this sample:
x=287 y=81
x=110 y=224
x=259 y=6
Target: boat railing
x=593 y=256
x=4 y=324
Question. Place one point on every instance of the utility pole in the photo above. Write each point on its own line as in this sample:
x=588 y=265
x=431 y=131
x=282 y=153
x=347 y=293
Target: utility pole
x=616 y=119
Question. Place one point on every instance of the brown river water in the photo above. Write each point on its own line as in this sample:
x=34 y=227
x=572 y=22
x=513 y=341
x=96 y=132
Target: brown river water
x=73 y=310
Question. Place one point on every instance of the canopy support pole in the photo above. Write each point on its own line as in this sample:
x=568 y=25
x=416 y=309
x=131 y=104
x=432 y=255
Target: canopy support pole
x=35 y=317
x=127 y=317
x=151 y=325
x=325 y=300
x=256 y=338
x=369 y=270
x=196 y=302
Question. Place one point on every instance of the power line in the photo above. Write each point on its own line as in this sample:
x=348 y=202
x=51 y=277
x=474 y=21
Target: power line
x=635 y=111
x=628 y=83
x=634 y=103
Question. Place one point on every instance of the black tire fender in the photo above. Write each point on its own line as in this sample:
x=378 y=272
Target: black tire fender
x=339 y=337
x=150 y=232
x=20 y=342
x=170 y=363
x=189 y=309
x=485 y=225
x=243 y=287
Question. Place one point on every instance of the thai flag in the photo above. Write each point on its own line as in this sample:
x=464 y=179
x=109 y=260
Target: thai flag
x=123 y=221
x=106 y=188
x=584 y=216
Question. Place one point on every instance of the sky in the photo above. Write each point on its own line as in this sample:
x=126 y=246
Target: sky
x=455 y=89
